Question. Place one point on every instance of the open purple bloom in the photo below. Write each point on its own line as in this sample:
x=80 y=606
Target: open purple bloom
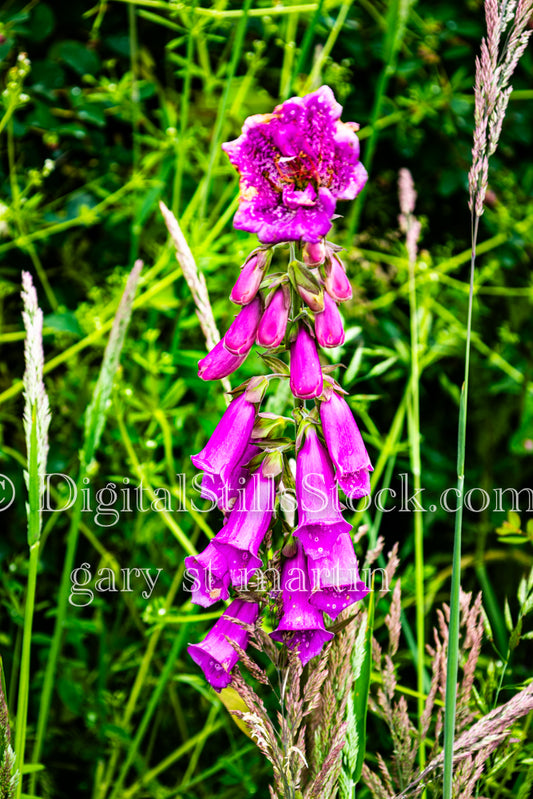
x=295 y=163
x=210 y=576
x=329 y=330
x=240 y=538
x=306 y=379
x=226 y=447
x=335 y=578
x=301 y=624
x=346 y=447
x=249 y=280
x=319 y=515
x=273 y=324
x=219 y=363
x=215 y=654
x=241 y=334
x=337 y=284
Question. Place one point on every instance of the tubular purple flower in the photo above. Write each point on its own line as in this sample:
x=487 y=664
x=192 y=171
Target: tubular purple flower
x=301 y=624
x=273 y=324
x=240 y=538
x=224 y=492
x=227 y=445
x=242 y=332
x=210 y=576
x=319 y=515
x=219 y=363
x=328 y=324
x=215 y=654
x=249 y=280
x=294 y=165
x=306 y=379
x=336 y=281
x=345 y=446
x=335 y=579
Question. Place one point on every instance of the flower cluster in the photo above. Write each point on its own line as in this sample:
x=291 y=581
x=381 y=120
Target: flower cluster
x=294 y=164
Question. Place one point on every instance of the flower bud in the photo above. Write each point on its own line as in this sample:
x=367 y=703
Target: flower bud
x=314 y=253
x=241 y=334
x=273 y=324
x=306 y=379
x=219 y=363
x=337 y=283
x=346 y=447
x=249 y=280
x=328 y=324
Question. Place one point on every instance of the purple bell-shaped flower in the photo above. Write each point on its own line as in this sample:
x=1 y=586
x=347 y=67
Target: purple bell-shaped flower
x=249 y=280
x=240 y=538
x=210 y=576
x=346 y=447
x=301 y=624
x=219 y=363
x=306 y=379
x=335 y=578
x=227 y=445
x=273 y=324
x=337 y=283
x=215 y=654
x=329 y=330
x=242 y=332
x=319 y=514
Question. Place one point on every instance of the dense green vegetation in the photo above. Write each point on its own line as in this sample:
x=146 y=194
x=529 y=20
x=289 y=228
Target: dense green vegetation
x=125 y=104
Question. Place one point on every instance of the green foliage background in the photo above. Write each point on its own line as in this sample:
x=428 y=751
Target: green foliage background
x=126 y=104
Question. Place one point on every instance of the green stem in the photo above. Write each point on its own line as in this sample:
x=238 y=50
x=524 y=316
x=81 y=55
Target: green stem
x=24 y=678
x=414 y=435
x=453 y=642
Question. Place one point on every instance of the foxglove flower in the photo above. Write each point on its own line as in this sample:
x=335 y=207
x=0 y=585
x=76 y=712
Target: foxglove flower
x=240 y=539
x=329 y=330
x=219 y=363
x=335 y=578
x=242 y=332
x=273 y=324
x=306 y=379
x=226 y=447
x=225 y=491
x=249 y=280
x=210 y=576
x=319 y=515
x=336 y=281
x=346 y=447
x=294 y=165
x=215 y=654
x=301 y=624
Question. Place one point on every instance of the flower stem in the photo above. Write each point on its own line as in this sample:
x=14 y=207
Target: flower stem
x=453 y=642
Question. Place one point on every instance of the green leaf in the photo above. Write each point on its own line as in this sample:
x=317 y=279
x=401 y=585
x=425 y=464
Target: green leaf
x=362 y=665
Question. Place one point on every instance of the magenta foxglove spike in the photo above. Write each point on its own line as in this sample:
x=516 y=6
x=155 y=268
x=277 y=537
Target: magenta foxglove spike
x=219 y=363
x=301 y=625
x=335 y=578
x=249 y=280
x=209 y=575
x=215 y=654
x=240 y=538
x=242 y=332
x=273 y=324
x=329 y=330
x=306 y=379
x=294 y=165
x=346 y=447
x=319 y=515
x=336 y=282
x=226 y=447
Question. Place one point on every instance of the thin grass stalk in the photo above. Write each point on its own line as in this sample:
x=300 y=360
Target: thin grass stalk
x=328 y=47
x=452 y=662
x=184 y=119
x=36 y=424
x=147 y=716
x=306 y=45
x=94 y=425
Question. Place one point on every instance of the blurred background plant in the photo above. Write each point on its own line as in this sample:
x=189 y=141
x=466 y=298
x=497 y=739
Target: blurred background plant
x=105 y=112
